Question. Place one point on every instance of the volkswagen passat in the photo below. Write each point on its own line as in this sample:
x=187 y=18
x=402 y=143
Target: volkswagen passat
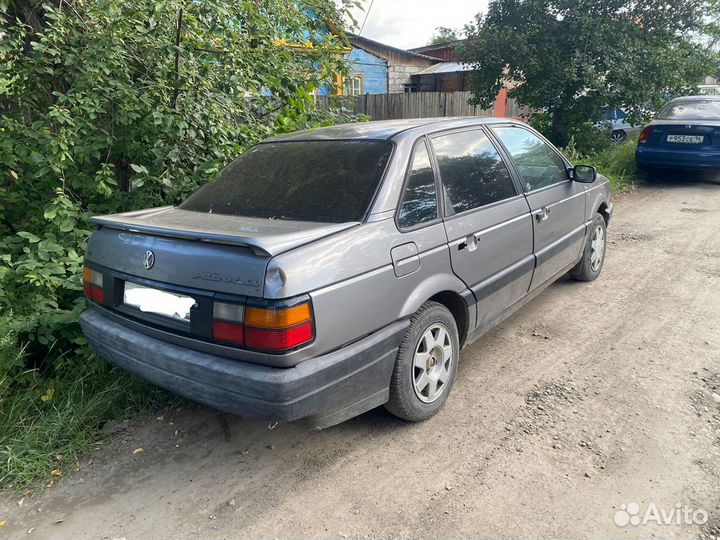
x=331 y=271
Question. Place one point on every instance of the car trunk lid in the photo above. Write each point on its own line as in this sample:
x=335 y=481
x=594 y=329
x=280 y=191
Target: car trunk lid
x=178 y=263
x=267 y=236
x=685 y=135
x=217 y=253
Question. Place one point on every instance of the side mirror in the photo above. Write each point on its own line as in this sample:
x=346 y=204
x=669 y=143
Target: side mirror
x=584 y=174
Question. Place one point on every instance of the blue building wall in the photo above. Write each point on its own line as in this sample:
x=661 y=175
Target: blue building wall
x=373 y=69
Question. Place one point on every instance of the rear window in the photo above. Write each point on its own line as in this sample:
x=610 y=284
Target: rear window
x=326 y=181
x=705 y=109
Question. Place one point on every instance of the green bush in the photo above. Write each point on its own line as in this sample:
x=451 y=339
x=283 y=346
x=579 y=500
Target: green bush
x=616 y=161
x=110 y=105
x=586 y=137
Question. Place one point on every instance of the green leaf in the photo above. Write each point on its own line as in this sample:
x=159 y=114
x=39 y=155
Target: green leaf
x=29 y=236
x=139 y=168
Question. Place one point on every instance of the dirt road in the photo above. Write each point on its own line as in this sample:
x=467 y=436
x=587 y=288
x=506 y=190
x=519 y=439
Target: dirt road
x=591 y=397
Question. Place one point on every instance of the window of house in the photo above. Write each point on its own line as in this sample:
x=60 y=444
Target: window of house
x=471 y=170
x=354 y=85
x=419 y=202
x=538 y=163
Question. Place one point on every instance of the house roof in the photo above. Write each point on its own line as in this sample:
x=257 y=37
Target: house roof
x=445 y=67
x=375 y=47
x=439 y=46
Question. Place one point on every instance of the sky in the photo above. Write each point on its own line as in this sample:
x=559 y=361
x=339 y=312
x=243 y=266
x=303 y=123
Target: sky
x=411 y=23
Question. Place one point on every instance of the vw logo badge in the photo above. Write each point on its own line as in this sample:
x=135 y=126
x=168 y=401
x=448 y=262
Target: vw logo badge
x=148 y=260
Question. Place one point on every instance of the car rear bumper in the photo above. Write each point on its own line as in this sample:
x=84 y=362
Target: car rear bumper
x=325 y=390
x=677 y=158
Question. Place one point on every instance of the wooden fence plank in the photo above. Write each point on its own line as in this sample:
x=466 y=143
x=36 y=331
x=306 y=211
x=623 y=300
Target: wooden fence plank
x=415 y=105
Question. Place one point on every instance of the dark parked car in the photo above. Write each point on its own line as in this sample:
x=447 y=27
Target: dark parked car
x=684 y=134
x=327 y=272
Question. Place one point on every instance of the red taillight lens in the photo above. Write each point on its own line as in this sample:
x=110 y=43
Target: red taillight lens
x=263 y=326
x=228 y=332
x=93 y=285
x=276 y=340
x=645 y=135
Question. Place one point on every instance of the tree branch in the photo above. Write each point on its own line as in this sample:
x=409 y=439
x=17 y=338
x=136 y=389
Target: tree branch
x=177 y=58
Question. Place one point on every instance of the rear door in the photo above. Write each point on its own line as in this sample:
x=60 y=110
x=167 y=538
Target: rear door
x=487 y=220
x=557 y=203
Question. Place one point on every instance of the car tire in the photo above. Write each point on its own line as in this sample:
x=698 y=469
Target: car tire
x=618 y=136
x=426 y=364
x=647 y=173
x=593 y=257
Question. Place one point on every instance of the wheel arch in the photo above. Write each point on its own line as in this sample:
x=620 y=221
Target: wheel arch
x=459 y=309
x=598 y=203
x=604 y=211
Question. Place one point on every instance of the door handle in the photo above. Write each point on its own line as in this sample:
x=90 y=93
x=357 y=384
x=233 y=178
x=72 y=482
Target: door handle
x=470 y=243
x=542 y=215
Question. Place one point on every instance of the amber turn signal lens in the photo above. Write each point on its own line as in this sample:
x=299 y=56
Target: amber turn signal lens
x=277 y=317
x=93 y=285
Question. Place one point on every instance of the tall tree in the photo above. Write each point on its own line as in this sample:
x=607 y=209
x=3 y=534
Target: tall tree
x=571 y=58
x=444 y=35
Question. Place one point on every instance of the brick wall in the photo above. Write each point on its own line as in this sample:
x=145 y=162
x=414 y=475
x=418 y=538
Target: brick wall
x=398 y=76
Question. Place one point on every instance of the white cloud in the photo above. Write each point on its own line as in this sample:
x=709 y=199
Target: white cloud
x=411 y=23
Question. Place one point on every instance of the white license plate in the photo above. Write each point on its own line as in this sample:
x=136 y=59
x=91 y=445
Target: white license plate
x=149 y=300
x=686 y=139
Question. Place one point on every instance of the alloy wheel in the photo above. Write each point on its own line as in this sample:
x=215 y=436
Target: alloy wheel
x=597 y=248
x=431 y=363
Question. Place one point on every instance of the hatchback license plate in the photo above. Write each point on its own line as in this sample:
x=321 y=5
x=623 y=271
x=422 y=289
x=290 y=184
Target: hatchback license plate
x=149 y=300
x=685 y=139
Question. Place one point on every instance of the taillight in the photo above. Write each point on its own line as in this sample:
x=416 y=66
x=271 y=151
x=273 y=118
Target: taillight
x=277 y=317
x=279 y=327
x=277 y=340
x=263 y=326
x=227 y=323
x=93 y=285
x=645 y=135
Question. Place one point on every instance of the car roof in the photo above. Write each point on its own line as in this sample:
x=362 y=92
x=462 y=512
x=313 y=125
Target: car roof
x=385 y=129
x=700 y=97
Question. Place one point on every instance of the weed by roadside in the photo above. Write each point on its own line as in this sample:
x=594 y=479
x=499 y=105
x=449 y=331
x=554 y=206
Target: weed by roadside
x=49 y=422
x=616 y=162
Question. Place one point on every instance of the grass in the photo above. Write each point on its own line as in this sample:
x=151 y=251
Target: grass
x=616 y=162
x=48 y=424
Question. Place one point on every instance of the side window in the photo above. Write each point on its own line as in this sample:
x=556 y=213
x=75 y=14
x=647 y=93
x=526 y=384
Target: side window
x=472 y=171
x=419 y=201
x=539 y=164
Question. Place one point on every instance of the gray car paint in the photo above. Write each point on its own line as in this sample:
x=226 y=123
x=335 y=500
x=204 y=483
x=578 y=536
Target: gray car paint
x=348 y=269
x=271 y=236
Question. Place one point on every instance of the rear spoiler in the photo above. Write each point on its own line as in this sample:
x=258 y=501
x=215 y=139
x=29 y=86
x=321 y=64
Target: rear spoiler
x=274 y=238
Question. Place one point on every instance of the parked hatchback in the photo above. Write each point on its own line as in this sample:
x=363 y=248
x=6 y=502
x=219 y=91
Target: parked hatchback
x=327 y=272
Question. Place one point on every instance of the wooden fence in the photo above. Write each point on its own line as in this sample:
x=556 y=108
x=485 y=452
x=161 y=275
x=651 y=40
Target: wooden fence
x=418 y=105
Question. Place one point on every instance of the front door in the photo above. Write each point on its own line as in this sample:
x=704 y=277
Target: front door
x=487 y=221
x=557 y=203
